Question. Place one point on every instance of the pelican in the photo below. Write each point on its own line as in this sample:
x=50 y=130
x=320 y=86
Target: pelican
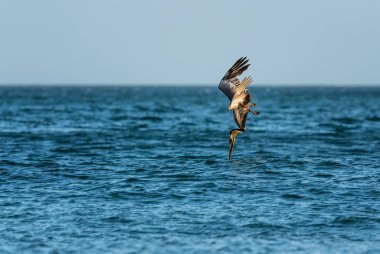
x=239 y=97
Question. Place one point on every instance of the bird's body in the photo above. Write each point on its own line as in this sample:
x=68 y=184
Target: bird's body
x=239 y=97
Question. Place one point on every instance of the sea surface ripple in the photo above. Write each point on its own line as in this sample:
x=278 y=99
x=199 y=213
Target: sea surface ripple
x=146 y=170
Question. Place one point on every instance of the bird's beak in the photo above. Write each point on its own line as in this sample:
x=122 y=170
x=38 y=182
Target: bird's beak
x=229 y=108
x=232 y=142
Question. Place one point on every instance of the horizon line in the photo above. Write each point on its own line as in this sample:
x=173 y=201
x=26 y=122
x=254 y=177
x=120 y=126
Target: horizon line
x=191 y=84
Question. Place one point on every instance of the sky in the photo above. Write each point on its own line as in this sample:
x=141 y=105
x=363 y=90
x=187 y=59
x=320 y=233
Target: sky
x=292 y=42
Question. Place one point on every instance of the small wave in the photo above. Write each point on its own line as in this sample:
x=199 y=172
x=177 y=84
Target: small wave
x=323 y=175
x=170 y=109
x=373 y=119
x=271 y=172
x=49 y=165
x=329 y=163
x=13 y=163
x=178 y=196
x=119 y=118
x=348 y=220
x=210 y=162
x=65 y=150
x=80 y=177
x=132 y=180
x=318 y=191
x=206 y=185
x=117 y=219
x=346 y=120
x=292 y=196
x=262 y=225
x=151 y=118
x=140 y=126
x=134 y=194
x=356 y=151
x=188 y=157
x=183 y=177
x=183 y=123
x=141 y=108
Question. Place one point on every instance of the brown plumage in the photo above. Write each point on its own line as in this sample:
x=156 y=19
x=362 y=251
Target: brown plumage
x=238 y=95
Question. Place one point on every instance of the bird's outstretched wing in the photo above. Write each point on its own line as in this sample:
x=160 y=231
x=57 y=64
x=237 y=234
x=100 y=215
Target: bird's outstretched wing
x=230 y=82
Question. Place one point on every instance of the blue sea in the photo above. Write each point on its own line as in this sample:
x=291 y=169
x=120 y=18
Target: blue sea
x=145 y=170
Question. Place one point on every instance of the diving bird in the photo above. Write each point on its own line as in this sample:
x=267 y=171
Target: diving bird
x=239 y=97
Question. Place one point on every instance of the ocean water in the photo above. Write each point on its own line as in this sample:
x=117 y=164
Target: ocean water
x=146 y=170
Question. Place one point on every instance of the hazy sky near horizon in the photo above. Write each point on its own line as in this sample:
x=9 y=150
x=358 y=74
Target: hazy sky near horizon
x=189 y=42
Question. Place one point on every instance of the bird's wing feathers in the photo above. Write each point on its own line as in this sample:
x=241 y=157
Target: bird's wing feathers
x=228 y=88
x=230 y=82
x=237 y=69
x=243 y=85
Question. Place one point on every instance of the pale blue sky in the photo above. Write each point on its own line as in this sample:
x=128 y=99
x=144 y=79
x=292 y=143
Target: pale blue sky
x=189 y=42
